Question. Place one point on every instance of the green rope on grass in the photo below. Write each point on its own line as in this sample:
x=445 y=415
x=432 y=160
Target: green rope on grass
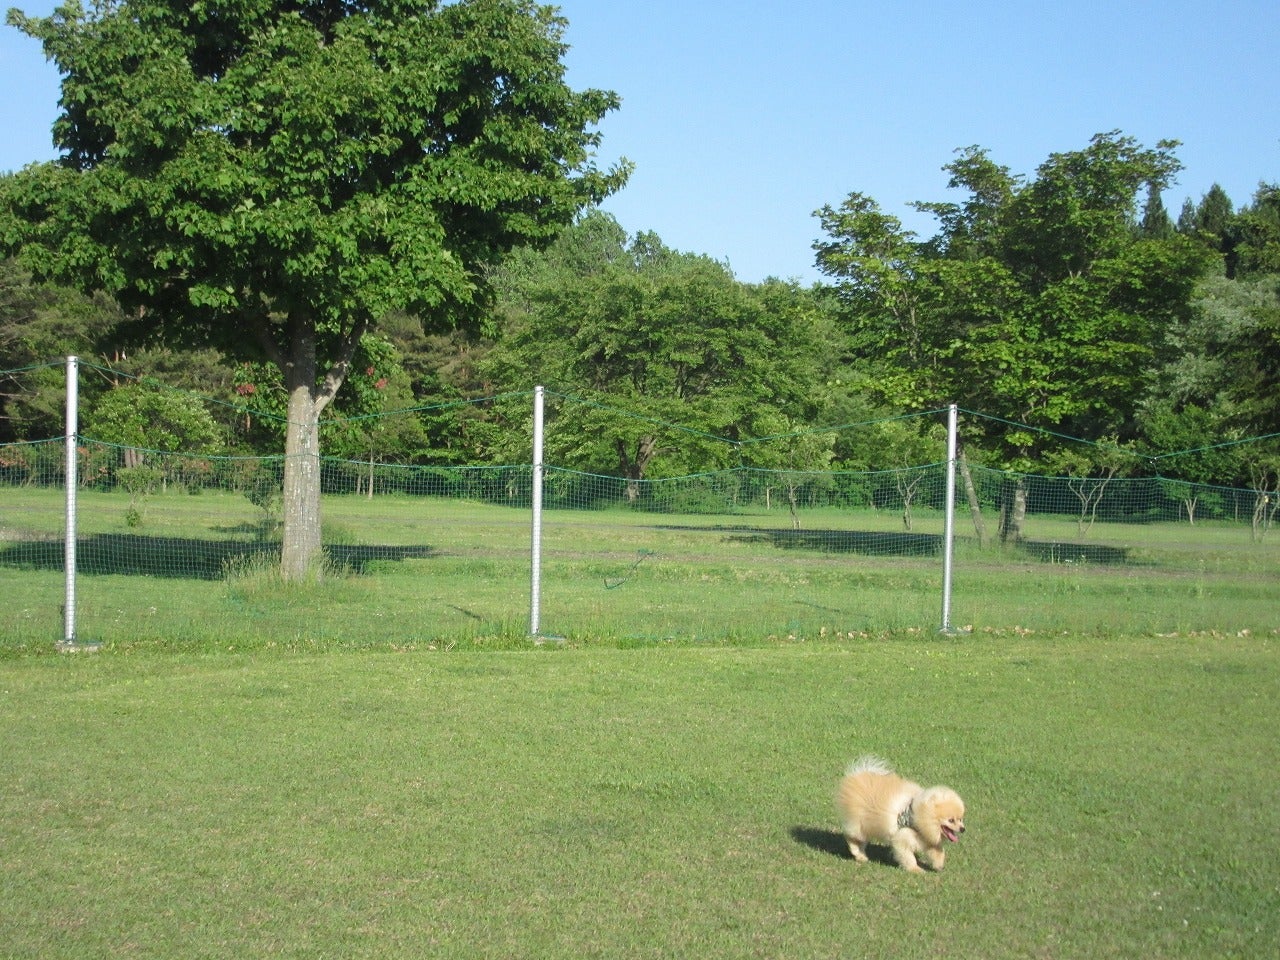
x=612 y=583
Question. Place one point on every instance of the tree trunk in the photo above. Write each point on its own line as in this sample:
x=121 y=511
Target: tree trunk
x=1013 y=510
x=296 y=358
x=301 y=547
x=907 y=491
x=1264 y=510
x=791 y=499
x=633 y=467
x=971 y=494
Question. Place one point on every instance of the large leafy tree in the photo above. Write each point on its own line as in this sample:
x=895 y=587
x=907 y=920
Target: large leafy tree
x=1224 y=356
x=883 y=286
x=1212 y=222
x=274 y=178
x=670 y=336
x=1039 y=301
x=1258 y=233
x=39 y=321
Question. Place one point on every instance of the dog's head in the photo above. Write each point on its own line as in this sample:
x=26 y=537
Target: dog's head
x=938 y=814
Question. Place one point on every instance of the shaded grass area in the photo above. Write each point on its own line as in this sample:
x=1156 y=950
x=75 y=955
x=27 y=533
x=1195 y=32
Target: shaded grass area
x=136 y=555
x=659 y=803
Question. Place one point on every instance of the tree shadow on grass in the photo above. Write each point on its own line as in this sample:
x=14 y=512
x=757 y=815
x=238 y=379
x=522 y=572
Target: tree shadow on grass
x=887 y=544
x=180 y=557
x=890 y=544
x=1054 y=551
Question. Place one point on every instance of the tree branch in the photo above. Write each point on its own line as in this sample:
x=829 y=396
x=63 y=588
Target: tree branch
x=262 y=333
x=337 y=374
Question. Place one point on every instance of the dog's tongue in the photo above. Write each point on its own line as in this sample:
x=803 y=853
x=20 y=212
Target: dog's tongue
x=949 y=834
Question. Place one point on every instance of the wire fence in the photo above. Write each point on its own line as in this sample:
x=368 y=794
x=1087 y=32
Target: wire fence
x=174 y=546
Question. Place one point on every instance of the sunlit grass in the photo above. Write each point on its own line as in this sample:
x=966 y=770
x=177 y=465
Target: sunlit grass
x=419 y=570
x=670 y=802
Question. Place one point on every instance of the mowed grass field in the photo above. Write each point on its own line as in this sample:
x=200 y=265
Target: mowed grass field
x=582 y=801
x=427 y=571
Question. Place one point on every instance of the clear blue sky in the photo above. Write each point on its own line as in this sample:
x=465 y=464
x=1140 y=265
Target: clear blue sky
x=744 y=116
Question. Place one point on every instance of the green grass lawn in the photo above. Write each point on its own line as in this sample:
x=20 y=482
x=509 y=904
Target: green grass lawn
x=665 y=802
x=422 y=571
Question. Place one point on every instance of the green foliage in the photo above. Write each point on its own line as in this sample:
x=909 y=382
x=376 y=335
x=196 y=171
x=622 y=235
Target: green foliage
x=1040 y=302
x=328 y=164
x=369 y=425
x=1196 y=442
x=140 y=418
x=139 y=482
x=262 y=489
x=1079 y=208
x=674 y=338
x=1037 y=301
x=1258 y=231
x=373 y=419
x=40 y=324
x=151 y=417
x=884 y=284
x=1223 y=355
x=1155 y=223
x=272 y=180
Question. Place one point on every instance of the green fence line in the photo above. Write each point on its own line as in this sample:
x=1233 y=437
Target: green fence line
x=183 y=547
x=183 y=554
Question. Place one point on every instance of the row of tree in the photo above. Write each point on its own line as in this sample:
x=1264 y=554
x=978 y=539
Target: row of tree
x=316 y=212
x=1070 y=303
x=1148 y=333
x=674 y=338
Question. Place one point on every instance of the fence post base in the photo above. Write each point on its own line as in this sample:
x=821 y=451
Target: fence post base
x=77 y=646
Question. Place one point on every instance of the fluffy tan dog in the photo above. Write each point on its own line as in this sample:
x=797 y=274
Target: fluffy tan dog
x=879 y=807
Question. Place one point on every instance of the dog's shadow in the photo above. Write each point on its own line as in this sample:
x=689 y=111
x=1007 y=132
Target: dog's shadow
x=832 y=842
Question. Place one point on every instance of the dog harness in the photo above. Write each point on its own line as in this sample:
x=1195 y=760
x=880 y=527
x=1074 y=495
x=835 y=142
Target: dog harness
x=904 y=816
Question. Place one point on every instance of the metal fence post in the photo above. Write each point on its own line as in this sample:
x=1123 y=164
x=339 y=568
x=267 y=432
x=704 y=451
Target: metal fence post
x=535 y=565
x=72 y=484
x=949 y=523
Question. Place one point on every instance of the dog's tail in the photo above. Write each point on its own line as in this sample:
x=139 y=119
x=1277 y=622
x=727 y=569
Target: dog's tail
x=868 y=764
